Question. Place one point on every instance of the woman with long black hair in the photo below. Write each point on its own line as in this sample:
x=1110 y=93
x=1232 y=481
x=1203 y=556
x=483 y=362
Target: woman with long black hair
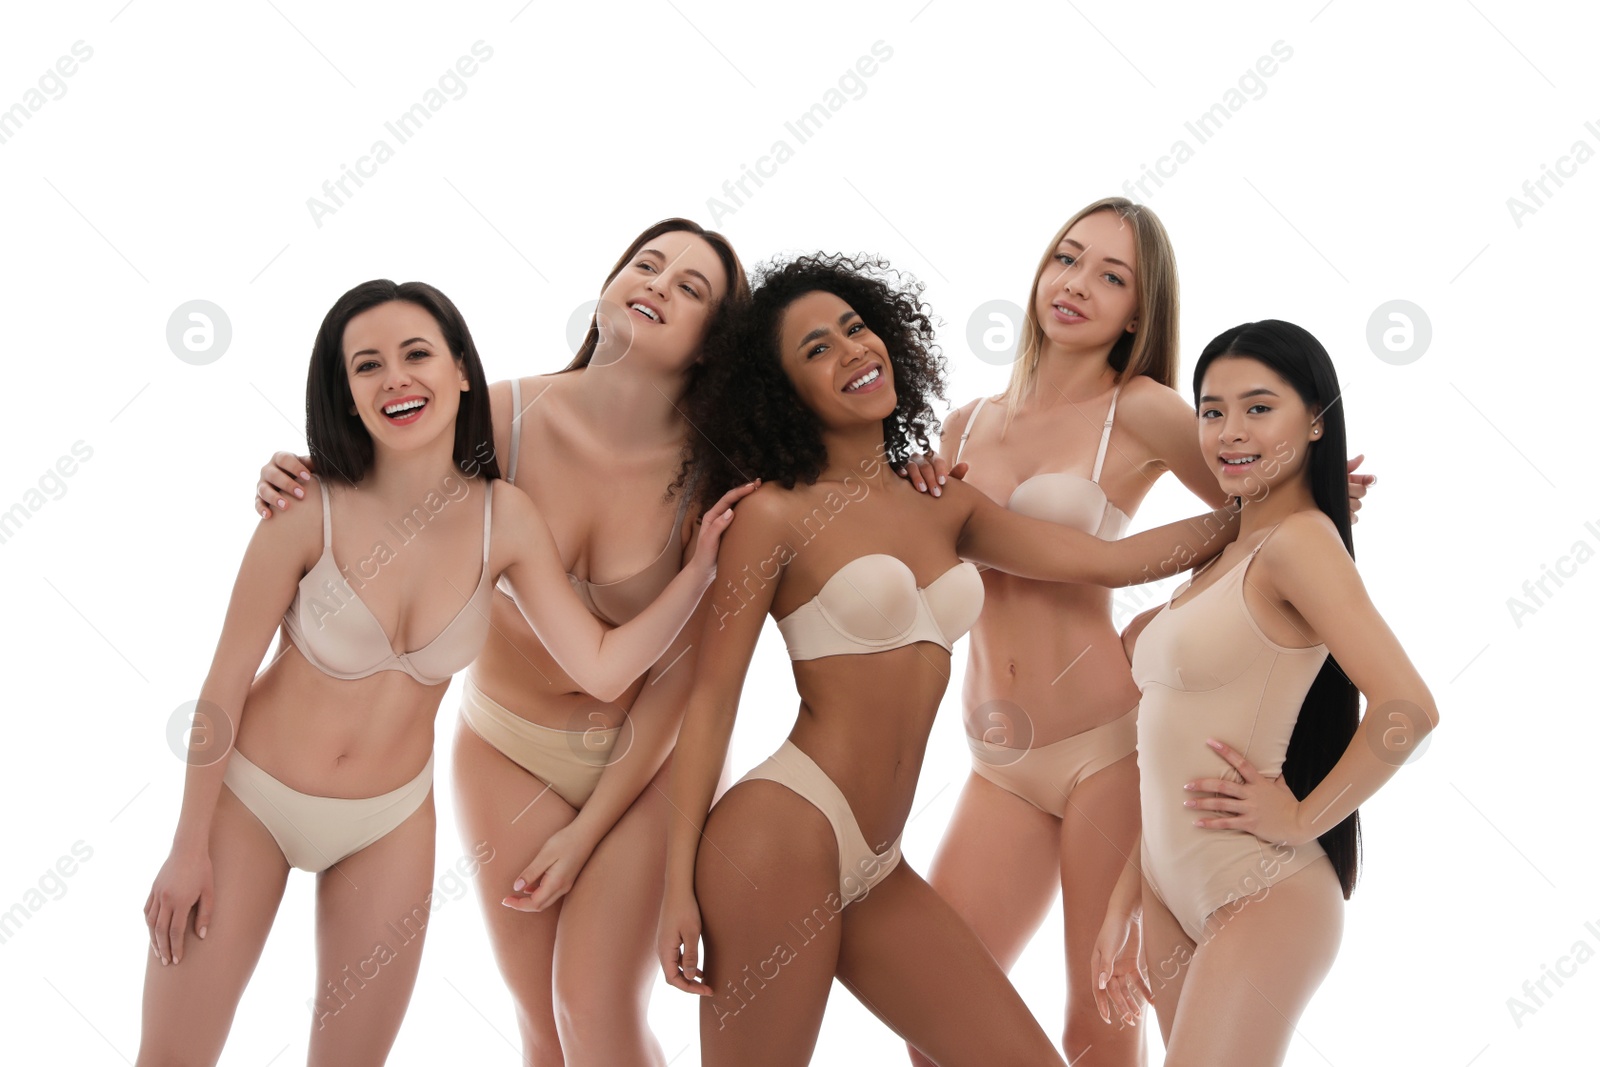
x=1252 y=755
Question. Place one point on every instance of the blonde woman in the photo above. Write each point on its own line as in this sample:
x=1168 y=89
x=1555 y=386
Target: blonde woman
x=1087 y=424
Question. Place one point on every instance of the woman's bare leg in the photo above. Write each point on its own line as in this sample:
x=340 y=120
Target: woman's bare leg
x=189 y=1006
x=770 y=915
x=1167 y=952
x=605 y=959
x=372 y=915
x=1101 y=827
x=500 y=803
x=997 y=867
x=916 y=964
x=1257 y=970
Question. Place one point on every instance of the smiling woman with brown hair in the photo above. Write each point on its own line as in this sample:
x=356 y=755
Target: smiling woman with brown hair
x=563 y=782
x=338 y=728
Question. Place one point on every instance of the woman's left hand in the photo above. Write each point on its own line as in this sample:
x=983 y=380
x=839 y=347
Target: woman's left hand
x=716 y=520
x=1358 y=485
x=928 y=472
x=1259 y=805
x=552 y=872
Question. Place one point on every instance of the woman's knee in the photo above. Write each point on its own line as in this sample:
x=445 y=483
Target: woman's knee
x=541 y=1039
x=591 y=997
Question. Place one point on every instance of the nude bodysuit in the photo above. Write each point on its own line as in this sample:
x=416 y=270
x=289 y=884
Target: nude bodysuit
x=1205 y=670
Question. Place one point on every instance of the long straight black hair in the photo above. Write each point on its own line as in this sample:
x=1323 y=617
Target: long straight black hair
x=1331 y=711
x=341 y=447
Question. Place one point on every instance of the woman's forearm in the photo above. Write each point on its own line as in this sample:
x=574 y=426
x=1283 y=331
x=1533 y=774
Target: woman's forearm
x=1126 y=895
x=1170 y=549
x=606 y=662
x=654 y=719
x=1051 y=552
x=646 y=637
x=211 y=741
x=1389 y=732
x=702 y=749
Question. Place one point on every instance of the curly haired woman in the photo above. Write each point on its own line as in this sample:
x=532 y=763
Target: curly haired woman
x=802 y=880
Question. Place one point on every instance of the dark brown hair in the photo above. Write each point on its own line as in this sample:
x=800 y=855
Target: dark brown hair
x=341 y=447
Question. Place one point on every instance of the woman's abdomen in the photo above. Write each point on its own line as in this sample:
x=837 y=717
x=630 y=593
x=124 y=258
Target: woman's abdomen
x=516 y=671
x=1044 y=663
x=334 y=737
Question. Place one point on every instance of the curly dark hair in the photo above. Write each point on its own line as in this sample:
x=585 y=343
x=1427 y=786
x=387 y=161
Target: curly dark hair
x=748 y=421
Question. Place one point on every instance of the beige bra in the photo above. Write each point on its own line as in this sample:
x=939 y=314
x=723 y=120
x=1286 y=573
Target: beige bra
x=338 y=634
x=873 y=604
x=1065 y=499
x=611 y=602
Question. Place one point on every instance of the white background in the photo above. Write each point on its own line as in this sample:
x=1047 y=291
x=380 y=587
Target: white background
x=1376 y=165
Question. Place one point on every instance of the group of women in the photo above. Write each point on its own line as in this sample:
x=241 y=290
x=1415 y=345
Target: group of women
x=1196 y=809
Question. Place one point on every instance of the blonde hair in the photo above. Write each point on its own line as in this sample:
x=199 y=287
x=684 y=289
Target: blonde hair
x=1152 y=348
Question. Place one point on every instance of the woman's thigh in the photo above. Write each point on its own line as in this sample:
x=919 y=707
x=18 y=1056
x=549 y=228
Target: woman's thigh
x=916 y=964
x=372 y=915
x=189 y=1006
x=1257 y=969
x=605 y=958
x=997 y=866
x=1099 y=831
x=1167 y=952
x=504 y=815
x=767 y=884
